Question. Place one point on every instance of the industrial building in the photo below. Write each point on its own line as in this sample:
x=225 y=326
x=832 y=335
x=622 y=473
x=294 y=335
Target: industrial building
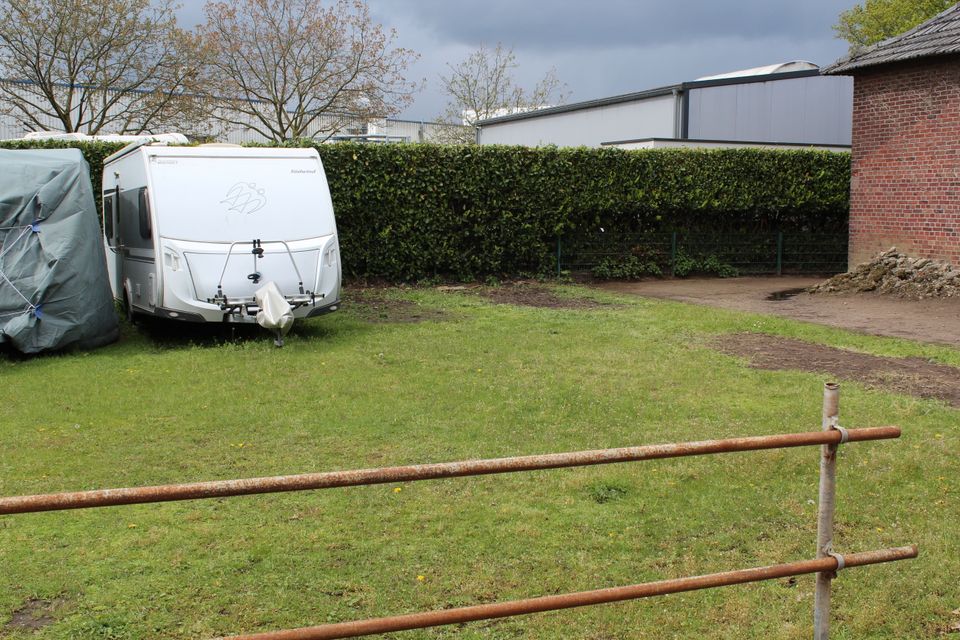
x=787 y=104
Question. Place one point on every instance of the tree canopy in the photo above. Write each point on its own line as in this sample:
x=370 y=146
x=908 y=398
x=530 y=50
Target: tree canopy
x=296 y=68
x=875 y=20
x=91 y=66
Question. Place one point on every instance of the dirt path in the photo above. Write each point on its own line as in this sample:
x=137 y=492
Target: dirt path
x=913 y=376
x=923 y=320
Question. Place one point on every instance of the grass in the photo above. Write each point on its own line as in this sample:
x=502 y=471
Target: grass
x=489 y=380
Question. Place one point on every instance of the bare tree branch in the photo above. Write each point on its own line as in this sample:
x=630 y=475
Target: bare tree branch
x=482 y=86
x=98 y=66
x=285 y=66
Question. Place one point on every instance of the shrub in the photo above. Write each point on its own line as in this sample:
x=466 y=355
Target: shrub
x=426 y=212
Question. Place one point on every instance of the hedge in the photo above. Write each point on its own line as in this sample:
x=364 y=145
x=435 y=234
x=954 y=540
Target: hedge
x=411 y=212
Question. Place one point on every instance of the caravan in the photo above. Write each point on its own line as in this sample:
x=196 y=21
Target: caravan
x=220 y=233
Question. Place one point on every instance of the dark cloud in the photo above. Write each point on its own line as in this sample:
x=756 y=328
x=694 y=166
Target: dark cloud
x=576 y=24
x=603 y=47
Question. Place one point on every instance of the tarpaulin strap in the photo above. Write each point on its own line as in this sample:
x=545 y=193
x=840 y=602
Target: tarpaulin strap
x=35 y=225
x=24 y=231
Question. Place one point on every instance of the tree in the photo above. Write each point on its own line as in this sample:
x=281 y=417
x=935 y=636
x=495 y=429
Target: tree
x=92 y=66
x=482 y=86
x=294 y=68
x=877 y=20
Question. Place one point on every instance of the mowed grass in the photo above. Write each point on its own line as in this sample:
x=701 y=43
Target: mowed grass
x=486 y=381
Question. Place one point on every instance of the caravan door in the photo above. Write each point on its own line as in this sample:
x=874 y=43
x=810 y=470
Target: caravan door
x=138 y=259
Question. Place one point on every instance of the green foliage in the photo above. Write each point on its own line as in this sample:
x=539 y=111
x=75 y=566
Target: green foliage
x=686 y=264
x=626 y=268
x=409 y=213
x=877 y=20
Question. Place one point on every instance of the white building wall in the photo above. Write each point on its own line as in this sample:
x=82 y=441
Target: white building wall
x=645 y=118
x=811 y=110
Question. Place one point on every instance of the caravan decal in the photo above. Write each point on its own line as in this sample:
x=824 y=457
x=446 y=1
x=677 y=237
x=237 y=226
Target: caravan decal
x=244 y=197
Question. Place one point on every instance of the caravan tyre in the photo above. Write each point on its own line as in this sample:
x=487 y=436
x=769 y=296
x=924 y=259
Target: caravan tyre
x=128 y=309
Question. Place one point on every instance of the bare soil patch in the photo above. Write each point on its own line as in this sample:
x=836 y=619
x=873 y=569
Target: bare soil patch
x=373 y=305
x=35 y=614
x=912 y=376
x=535 y=295
x=924 y=320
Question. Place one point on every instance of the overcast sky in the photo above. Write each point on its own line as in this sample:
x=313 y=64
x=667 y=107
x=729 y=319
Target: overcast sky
x=602 y=48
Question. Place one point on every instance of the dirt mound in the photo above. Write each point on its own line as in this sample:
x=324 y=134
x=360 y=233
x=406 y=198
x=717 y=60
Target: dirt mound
x=895 y=273
x=533 y=295
x=375 y=305
x=913 y=376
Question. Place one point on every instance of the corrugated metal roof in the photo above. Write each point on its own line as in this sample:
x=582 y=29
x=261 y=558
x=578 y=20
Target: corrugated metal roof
x=781 y=67
x=938 y=36
x=649 y=93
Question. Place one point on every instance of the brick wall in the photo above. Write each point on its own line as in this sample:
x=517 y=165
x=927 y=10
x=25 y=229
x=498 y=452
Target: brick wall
x=905 y=186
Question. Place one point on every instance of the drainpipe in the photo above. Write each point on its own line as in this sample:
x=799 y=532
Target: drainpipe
x=677 y=114
x=681 y=112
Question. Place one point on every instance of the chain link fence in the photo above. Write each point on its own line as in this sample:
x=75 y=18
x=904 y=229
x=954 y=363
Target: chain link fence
x=617 y=255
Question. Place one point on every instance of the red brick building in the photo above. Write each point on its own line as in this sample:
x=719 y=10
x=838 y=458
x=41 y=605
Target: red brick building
x=905 y=185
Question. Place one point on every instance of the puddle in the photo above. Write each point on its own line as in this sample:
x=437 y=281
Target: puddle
x=786 y=294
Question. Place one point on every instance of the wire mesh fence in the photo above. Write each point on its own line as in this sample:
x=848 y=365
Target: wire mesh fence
x=611 y=254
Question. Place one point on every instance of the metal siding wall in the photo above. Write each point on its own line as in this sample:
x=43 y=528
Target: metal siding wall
x=814 y=110
x=648 y=118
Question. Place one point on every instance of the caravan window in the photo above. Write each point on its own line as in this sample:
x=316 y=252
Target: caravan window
x=144 y=210
x=108 y=218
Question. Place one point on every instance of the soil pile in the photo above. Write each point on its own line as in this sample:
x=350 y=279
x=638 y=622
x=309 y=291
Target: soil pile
x=895 y=273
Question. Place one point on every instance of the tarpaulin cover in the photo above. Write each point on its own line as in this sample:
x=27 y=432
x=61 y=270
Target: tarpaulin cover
x=54 y=291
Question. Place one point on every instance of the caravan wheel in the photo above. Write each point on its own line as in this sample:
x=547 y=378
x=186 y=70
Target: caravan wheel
x=128 y=309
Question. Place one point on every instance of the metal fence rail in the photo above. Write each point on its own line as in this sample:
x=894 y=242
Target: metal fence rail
x=354 y=478
x=825 y=565
x=679 y=253
x=581 y=599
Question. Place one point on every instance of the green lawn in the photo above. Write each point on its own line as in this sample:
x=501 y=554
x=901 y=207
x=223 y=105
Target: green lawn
x=487 y=380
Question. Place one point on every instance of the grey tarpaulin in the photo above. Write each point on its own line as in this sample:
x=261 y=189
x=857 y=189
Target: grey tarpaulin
x=54 y=291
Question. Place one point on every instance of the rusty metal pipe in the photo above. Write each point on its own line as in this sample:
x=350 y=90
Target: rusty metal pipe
x=331 y=479
x=581 y=599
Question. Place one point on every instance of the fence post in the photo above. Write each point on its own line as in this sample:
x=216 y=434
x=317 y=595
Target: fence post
x=828 y=469
x=673 y=254
x=558 y=256
x=779 y=253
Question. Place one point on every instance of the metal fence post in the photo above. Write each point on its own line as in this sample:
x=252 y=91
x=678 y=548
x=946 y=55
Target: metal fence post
x=828 y=469
x=558 y=256
x=779 y=253
x=673 y=254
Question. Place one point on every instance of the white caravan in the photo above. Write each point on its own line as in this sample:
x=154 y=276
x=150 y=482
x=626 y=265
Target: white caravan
x=200 y=233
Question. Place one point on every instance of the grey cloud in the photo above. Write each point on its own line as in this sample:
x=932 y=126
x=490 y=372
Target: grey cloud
x=579 y=24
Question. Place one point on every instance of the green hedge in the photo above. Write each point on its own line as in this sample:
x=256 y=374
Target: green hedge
x=409 y=212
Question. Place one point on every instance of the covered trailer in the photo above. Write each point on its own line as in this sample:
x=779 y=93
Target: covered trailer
x=54 y=290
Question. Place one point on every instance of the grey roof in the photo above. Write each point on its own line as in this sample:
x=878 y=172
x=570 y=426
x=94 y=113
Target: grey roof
x=649 y=93
x=938 y=36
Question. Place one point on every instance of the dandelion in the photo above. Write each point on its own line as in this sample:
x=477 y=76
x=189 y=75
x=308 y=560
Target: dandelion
x=397 y=489
x=421 y=578
x=131 y=526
